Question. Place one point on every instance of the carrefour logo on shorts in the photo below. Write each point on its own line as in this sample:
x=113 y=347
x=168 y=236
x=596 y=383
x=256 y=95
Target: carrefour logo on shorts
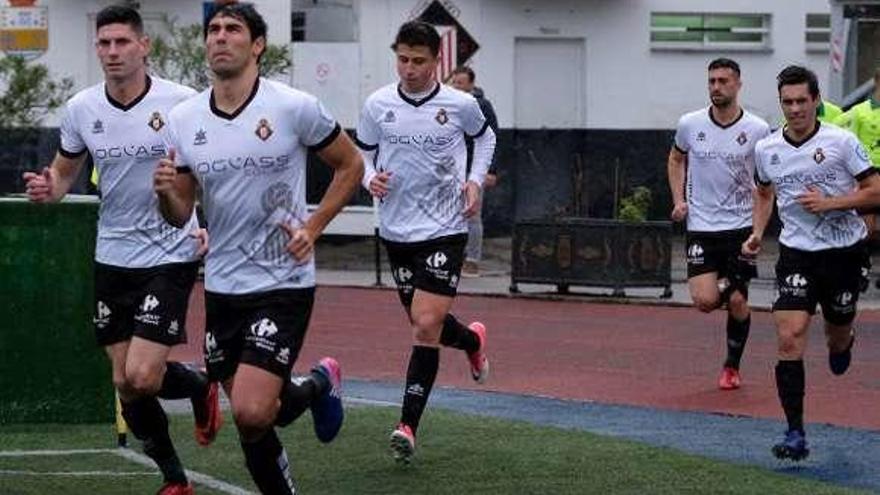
x=210 y=343
x=102 y=317
x=437 y=259
x=146 y=315
x=150 y=303
x=695 y=254
x=264 y=328
x=403 y=274
x=796 y=280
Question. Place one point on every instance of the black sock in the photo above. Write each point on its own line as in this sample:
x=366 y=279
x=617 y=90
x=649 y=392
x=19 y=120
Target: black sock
x=267 y=462
x=182 y=382
x=423 y=364
x=297 y=395
x=458 y=336
x=790 y=386
x=147 y=421
x=737 y=335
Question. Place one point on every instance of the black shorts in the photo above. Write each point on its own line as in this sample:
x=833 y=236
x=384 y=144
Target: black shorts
x=831 y=277
x=264 y=329
x=150 y=303
x=432 y=266
x=720 y=252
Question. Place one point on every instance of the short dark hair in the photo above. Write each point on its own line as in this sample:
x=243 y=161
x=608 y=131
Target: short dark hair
x=119 y=14
x=796 y=74
x=418 y=33
x=463 y=69
x=244 y=12
x=725 y=63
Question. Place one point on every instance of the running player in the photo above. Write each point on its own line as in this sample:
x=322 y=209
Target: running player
x=415 y=129
x=819 y=174
x=244 y=141
x=144 y=267
x=710 y=169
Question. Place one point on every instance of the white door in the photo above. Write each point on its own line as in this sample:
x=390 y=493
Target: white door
x=549 y=83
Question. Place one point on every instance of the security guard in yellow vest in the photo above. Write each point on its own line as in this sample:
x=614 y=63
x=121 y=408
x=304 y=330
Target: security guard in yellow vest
x=864 y=121
x=828 y=112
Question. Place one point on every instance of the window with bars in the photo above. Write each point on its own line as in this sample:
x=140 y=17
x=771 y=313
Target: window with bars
x=297 y=26
x=692 y=31
x=818 y=32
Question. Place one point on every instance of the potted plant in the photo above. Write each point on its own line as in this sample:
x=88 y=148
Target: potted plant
x=628 y=251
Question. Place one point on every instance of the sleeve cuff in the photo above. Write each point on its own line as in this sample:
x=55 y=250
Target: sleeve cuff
x=481 y=131
x=683 y=152
x=71 y=154
x=761 y=182
x=327 y=140
x=364 y=146
x=866 y=173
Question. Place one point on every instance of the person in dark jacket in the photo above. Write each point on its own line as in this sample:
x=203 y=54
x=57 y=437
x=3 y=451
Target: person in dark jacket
x=463 y=79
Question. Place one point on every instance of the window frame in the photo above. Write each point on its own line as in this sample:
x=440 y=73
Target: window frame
x=817 y=46
x=705 y=43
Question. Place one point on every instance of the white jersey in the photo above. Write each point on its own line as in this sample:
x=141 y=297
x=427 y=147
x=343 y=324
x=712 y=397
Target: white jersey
x=252 y=169
x=422 y=144
x=720 y=169
x=126 y=143
x=831 y=160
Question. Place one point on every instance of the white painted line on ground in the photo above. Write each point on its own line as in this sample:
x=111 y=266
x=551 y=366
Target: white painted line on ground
x=371 y=402
x=76 y=474
x=29 y=453
x=130 y=455
x=196 y=477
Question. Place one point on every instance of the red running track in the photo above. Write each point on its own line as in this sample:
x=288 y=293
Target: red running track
x=639 y=355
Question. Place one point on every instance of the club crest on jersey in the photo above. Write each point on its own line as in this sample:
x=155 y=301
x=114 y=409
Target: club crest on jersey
x=742 y=138
x=201 y=138
x=98 y=127
x=156 y=122
x=264 y=131
x=701 y=136
x=862 y=153
x=818 y=156
x=390 y=117
x=441 y=116
x=774 y=159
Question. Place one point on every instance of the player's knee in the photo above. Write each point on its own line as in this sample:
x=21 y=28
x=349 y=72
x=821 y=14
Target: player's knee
x=738 y=301
x=143 y=380
x=252 y=417
x=426 y=326
x=706 y=304
x=789 y=347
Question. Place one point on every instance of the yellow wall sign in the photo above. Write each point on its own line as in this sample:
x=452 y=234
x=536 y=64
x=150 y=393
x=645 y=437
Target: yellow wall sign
x=24 y=31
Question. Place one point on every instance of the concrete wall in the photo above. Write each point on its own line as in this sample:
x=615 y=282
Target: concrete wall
x=629 y=86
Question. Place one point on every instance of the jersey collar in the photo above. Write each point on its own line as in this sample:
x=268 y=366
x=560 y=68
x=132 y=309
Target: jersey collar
x=418 y=103
x=230 y=116
x=798 y=144
x=132 y=103
x=719 y=124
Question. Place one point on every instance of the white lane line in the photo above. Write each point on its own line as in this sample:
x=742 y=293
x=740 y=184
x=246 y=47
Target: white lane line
x=370 y=402
x=75 y=474
x=29 y=453
x=195 y=476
